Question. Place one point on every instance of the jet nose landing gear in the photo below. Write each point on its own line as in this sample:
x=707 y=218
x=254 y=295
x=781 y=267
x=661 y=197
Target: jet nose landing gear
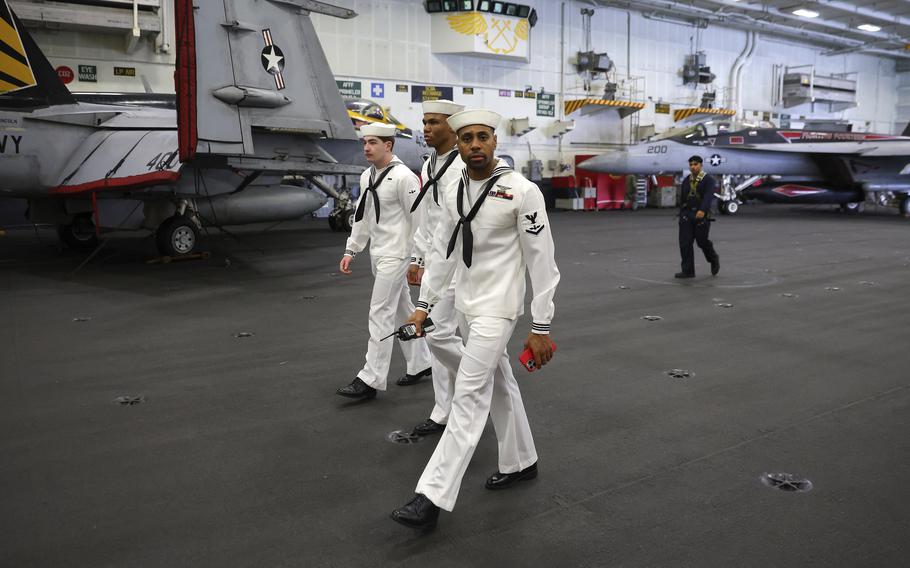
x=177 y=236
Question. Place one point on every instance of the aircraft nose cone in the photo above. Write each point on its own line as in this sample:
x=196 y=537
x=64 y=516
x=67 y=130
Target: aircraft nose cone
x=611 y=161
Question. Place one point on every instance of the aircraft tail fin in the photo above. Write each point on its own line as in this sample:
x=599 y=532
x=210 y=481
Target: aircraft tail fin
x=253 y=81
x=27 y=79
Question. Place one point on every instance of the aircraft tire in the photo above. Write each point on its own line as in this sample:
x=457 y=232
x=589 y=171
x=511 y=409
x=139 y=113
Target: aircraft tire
x=177 y=236
x=731 y=207
x=80 y=234
x=853 y=208
x=904 y=206
x=347 y=220
x=333 y=222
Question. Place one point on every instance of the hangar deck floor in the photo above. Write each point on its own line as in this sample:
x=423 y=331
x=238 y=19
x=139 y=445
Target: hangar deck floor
x=242 y=455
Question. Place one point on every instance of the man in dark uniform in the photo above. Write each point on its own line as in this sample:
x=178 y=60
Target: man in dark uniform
x=695 y=219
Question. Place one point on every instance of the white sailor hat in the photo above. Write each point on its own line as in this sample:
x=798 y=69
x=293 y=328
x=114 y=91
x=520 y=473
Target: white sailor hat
x=474 y=116
x=442 y=106
x=378 y=129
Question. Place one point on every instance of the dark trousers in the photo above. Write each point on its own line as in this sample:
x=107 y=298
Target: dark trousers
x=691 y=231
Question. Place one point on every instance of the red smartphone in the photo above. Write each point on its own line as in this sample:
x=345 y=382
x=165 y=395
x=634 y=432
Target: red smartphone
x=527 y=358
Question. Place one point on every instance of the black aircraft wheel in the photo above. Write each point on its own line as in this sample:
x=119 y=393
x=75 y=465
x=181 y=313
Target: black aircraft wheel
x=853 y=208
x=80 y=234
x=333 y=222
x=177 y=236
x=732 y=207
x=904 y=206
x=347 y=220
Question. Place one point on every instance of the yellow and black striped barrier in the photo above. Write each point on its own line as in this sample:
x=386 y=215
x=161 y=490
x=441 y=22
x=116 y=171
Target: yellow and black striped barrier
x=683 y=113
x=572 y=106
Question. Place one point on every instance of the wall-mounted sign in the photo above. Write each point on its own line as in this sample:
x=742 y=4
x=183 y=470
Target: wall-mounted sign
x=505 y=93
x=377 y=90
x=546 y=104
x=124 y=71
x=66 y=74
x=519 y=94
x=349 y=89
x=784 y=121
x=88 y=73
x=530 y=95
x=467 y=91
x=662 y=108
x=422 y=93
x=481 y=33
x=401 y=88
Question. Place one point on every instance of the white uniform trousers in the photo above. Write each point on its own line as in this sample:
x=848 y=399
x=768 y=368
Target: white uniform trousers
x=447 y=349
x=390 y=307
x=484 y=386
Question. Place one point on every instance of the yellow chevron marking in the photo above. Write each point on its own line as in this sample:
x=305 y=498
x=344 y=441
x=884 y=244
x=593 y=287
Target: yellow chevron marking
x=7 y=87
x=9 y=36
x=15 y=69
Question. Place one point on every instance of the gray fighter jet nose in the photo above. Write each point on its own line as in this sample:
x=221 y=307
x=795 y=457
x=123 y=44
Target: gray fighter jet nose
x=611 y=161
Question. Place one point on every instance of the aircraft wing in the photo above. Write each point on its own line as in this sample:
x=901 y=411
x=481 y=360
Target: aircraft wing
x=121 y=159
x=868 y=149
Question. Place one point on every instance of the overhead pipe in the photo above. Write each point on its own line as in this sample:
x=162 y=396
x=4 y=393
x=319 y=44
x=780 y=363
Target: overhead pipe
x=734 y=71
x=747 y=22
x=739 y=77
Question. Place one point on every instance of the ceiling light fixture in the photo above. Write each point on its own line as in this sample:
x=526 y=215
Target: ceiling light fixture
x=805 y=13
x=869 y=28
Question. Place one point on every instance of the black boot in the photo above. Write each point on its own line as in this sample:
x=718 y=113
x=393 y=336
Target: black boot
x=357 y=389
x=503 y=480
x=428 y=427
x=715 y=265
x=408 y=380
x=420 y=513
x=684 y=275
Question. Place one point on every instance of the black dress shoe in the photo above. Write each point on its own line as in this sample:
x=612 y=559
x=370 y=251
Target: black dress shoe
x=684 y=275
x=428 y=427
x=715 y=265
x=503 y=480
x=357 y=389
x=412 y=379
x=420 y=513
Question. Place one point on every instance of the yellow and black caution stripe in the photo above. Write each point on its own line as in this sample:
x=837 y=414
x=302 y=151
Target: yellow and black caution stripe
x=572 y=106
x=682 y=113
x=15 y=71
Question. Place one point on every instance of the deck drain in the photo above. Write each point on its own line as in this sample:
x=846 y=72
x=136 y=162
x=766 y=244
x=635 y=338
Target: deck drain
x=651 y=318
x=402 y=437
x=724 y=305
x=832 y=288
x=82 y=318
x=129 y=400
x=244 y=334
x=866 y=283
x=679 y=374
x=786 y=482
x=623 y=287
x=308 y=297
x=789 y=295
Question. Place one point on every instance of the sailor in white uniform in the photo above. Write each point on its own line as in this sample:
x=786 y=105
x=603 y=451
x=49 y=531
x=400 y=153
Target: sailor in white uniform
x=383 y=217
x=440 y=174
x=493 y=229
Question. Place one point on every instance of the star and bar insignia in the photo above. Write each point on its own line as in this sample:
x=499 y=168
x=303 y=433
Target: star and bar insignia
x=272 y=59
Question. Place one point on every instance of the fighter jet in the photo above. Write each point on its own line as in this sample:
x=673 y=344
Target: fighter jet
x=256 y=103
x=781 y=165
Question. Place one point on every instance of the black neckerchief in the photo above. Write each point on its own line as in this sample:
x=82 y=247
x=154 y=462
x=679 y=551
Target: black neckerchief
x=371 y=189
x=434 y=179
x=464 y=221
